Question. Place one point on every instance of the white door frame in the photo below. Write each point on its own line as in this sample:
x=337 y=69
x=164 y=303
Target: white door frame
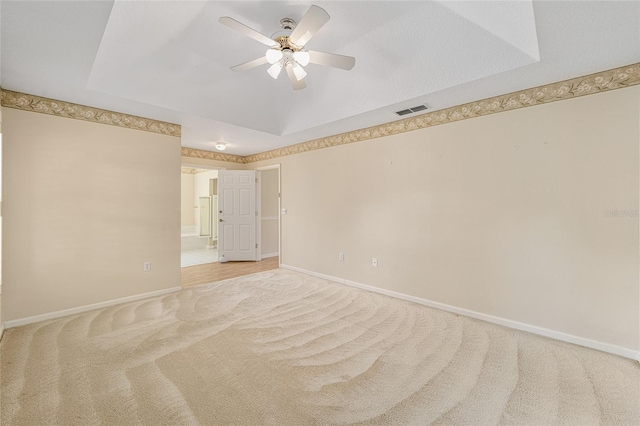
x=271 y=167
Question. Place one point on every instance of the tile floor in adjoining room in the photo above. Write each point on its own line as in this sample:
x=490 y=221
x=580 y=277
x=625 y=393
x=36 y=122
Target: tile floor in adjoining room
x=198 y=256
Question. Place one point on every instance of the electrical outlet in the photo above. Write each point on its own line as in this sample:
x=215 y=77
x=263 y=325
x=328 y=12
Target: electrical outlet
x=341 y=256
x=374 y=262
x=147 y=266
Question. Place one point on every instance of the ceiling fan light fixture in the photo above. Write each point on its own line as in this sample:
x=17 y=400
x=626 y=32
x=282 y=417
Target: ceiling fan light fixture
x=273 y=55
x=299 y=72
x=274 y=70
x=302 y=57
x=220 y=146
x=286 y=48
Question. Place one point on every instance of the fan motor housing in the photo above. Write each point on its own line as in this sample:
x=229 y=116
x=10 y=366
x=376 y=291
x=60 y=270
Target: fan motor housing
x=285 y=43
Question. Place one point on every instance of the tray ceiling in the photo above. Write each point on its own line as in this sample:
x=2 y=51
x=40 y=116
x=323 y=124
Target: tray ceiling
x=170 y=60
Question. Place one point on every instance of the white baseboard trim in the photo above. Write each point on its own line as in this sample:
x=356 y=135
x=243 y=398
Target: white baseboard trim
x=1 y=330
x=265 y=256
x=85 y=308
x=569 y=338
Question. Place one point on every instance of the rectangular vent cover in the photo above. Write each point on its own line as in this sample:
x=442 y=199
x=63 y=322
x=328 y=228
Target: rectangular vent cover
x=412 y=110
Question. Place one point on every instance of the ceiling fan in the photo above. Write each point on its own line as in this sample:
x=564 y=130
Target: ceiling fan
x=286 y=47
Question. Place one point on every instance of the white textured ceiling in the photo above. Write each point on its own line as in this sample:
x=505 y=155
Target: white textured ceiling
x=170 y=60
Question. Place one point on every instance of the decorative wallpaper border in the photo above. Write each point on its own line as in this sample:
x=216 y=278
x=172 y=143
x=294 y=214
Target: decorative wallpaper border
x=586 y=85
x=42 y=105
x=212 y=155
x=580 y=86
x=192 y=171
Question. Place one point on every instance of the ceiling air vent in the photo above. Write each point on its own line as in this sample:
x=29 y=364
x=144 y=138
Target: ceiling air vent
x=412 y=110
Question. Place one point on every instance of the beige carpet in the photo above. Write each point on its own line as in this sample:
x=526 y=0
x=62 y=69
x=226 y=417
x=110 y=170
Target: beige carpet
x=282 y=348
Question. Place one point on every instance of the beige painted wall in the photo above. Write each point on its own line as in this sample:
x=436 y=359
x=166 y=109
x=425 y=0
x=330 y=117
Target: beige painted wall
x=187 y=215
x=195 y=162
x=85 y=205
x=269 y=212
x=202 y=185
x=503 y=214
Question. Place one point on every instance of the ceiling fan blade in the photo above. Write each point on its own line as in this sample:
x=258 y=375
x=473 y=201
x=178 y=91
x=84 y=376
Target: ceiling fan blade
x=332 y=60
x=295 y=83
x=311 y=22
x=249 y=32
x=251 y=64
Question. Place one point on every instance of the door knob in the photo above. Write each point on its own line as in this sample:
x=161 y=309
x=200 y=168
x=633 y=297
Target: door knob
x=221 y=220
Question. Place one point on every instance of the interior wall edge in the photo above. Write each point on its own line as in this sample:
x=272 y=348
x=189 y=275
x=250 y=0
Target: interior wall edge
x=86 y=308
x=545 y=332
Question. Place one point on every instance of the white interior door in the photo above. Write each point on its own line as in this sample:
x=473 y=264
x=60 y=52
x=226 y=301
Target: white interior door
x=238 y=215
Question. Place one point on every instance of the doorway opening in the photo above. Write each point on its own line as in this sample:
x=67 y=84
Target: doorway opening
x=198 y=215
x=268 y=236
